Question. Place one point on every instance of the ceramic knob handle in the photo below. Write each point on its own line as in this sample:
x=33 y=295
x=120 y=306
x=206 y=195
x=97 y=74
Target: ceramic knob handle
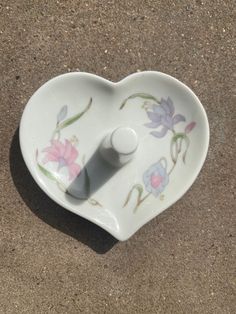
x=119 y=147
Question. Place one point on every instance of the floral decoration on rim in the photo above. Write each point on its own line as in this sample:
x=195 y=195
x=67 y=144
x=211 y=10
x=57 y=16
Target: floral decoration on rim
x=163 y=119
x=64 y=153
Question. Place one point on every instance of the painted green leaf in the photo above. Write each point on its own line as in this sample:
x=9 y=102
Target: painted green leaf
x=73 y=119
x=174 y=147
x=140 y=95
x=179 y=144
x=52 y=177
x=47 y=173
x=128 y=198
x=137 y=187
x=173 y=150
x=187 y=141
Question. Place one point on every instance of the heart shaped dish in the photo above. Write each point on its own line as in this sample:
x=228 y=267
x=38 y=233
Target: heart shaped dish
x=117 y=154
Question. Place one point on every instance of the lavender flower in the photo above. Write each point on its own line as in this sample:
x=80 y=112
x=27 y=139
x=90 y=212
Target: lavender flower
x=163 y=116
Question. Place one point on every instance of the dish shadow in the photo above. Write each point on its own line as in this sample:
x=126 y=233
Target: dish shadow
x=50 y=212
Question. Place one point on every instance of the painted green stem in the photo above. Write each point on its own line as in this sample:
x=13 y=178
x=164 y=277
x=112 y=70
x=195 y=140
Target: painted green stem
x=71 y=120
x=140 y=201
x=140 y=95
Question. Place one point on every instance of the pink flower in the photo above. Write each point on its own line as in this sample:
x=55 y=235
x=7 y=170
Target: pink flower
x=65 y=155
x=155 y=179
x=190 y=127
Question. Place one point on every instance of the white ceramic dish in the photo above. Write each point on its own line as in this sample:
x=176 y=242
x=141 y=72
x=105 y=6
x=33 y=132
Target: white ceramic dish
x=67 y=119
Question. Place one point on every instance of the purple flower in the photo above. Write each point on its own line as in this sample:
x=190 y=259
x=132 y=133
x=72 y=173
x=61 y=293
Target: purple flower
x=155 y=179
x=163 y=116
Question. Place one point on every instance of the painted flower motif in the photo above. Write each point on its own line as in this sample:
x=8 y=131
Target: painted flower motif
x=155 y=179
x=163 y=116
x=65 y=155
x=190 y=127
